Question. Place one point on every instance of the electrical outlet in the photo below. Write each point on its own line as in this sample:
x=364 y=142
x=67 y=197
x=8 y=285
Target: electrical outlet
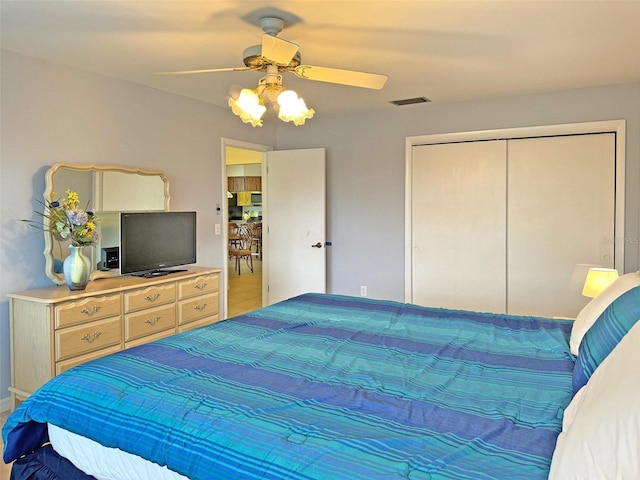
x=363 y=291
x=217 y=228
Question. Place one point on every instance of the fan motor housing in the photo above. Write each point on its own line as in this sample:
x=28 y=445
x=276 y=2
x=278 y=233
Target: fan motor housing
x=252 y=57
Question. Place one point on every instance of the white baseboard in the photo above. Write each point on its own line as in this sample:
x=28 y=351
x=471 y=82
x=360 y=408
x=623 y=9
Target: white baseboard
x=5 y=404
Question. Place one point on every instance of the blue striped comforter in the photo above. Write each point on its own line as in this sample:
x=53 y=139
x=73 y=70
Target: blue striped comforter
x=325 y=386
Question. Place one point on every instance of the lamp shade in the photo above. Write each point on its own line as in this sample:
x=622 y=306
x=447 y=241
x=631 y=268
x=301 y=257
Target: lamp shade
x=293 y=109
x=597 y=280
x=248 y=107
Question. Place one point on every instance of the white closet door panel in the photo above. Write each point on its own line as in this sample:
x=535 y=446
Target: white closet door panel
x=458 y=225
x=561 y=212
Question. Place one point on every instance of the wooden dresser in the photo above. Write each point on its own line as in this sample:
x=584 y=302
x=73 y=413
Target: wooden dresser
x=54 y=329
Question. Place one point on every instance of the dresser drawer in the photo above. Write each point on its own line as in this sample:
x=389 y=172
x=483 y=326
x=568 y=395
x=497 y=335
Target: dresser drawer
x=149 y=297
x=149 y=338
x=198 y=323
x=200 y=307
x=82 y=339
x=149 y=321
x=89 y=309
x=67 y=364
x=198 y=286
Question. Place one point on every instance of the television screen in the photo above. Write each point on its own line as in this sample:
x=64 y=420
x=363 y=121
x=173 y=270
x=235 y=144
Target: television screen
x=153 y=241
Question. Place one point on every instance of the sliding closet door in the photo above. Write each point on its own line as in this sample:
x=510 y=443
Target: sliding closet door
x=561 y=212
x=458 y=235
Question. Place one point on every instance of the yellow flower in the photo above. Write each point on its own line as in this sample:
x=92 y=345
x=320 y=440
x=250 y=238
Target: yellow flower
x=72 y=201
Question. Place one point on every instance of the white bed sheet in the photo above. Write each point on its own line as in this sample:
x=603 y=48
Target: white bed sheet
x=105 y=463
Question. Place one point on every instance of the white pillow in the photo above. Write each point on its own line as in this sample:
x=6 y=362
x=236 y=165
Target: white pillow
x=601 y=429
x=592 y=310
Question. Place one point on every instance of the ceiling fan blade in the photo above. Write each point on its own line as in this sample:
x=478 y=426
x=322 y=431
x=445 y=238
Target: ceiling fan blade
x=344 y=77
x=208 y=70
x=277 y=50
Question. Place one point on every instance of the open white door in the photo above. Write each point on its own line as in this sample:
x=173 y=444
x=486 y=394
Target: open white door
x=293 y=219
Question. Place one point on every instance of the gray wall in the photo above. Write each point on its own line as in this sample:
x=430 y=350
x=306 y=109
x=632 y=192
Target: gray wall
x=365 y=163
x=52 y=113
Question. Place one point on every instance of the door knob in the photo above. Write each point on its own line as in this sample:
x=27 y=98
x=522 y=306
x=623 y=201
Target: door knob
x=317 y=245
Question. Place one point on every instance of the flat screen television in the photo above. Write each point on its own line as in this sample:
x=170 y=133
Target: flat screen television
x=151 y=242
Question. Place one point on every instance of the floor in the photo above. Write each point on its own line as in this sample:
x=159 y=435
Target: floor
x=5 y=470
x=245 y=290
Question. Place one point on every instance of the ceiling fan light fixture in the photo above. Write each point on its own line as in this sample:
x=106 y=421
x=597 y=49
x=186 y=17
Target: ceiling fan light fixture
x=251 y=104
x=249 y=107
x=275 y=56
x=293 y=109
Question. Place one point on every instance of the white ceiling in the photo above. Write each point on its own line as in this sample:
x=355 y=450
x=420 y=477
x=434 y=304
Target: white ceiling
x=444 y=50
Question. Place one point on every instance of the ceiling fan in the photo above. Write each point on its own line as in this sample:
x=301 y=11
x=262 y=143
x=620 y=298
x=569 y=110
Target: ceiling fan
x=276 y=55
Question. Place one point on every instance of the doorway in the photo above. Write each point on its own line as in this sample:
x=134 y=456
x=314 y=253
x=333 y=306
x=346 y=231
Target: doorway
x=242 y=175
x=294 y=212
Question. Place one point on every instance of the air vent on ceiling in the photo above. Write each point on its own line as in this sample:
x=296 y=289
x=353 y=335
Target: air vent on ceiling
x=410 y=101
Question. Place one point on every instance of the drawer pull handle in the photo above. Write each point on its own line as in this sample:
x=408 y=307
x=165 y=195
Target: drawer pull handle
x=91 y=338
x=91 y=311
x=152 y=321
x=200 y=307
x=152 y=298
x=201 y=286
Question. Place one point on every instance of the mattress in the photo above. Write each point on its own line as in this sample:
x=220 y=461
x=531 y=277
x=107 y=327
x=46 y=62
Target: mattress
x=324 y=386
x=105 y=463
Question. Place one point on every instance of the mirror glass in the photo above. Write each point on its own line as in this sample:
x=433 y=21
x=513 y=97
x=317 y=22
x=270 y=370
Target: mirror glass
x=107 y=190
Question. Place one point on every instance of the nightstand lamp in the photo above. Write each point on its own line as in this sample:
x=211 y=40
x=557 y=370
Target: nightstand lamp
x=597 y=280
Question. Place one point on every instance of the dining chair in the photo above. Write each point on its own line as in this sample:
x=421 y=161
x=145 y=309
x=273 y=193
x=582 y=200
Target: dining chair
x=257 y=238
x=233 y=235
x=243 y=247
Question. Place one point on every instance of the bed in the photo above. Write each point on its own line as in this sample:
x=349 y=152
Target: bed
x=321 y=386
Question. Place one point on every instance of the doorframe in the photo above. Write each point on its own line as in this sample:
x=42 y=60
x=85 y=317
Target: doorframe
x=230 y=142
x=618 y=127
